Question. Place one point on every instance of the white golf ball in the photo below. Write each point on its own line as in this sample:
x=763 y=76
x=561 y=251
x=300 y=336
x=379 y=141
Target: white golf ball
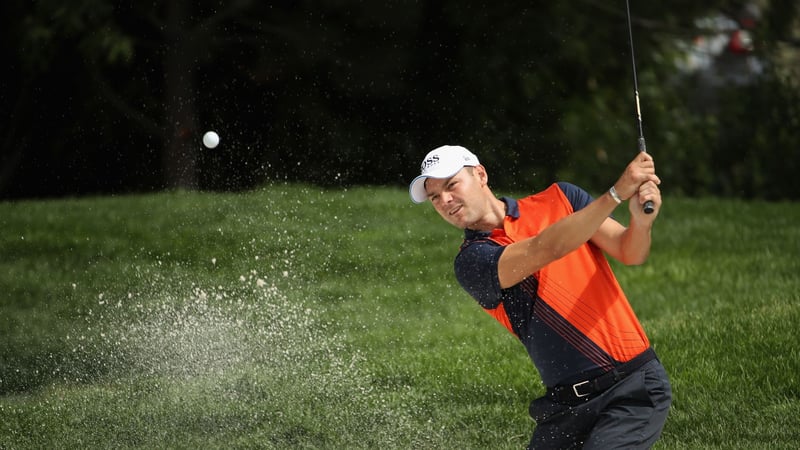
x=210 y=139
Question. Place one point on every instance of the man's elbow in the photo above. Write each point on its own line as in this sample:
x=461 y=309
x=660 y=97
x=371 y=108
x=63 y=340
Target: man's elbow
x=634 y=260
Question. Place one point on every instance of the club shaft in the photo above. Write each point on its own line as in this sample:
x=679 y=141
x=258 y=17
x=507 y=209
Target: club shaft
x=648 y=206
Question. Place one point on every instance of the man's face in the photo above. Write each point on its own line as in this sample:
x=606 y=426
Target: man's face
x=457 y=199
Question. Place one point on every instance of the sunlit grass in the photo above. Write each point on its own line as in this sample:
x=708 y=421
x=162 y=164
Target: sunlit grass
x=297 y=317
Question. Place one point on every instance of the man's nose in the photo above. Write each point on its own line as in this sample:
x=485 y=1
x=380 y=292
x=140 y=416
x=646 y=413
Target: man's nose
x=446 y=197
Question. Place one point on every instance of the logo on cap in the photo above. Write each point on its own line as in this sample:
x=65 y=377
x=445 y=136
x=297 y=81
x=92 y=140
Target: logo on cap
x=429 y=162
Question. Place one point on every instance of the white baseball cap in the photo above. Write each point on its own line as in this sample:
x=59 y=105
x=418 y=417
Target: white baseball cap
x=442 y=162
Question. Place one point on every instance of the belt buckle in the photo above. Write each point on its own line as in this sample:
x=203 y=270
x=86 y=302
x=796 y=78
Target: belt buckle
x=575 y=389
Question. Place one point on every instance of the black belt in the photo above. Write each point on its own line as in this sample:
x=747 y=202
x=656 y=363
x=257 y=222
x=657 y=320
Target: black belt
x=587 y=389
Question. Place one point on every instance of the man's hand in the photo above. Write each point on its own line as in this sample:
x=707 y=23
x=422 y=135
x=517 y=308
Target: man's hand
x=647 y=191
x=640 y=173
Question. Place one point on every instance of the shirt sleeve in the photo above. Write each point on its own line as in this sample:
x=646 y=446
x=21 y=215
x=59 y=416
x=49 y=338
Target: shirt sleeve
x=476 y=272
x=576 y=196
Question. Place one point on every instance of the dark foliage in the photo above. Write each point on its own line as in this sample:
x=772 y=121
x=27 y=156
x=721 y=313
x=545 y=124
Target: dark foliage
x=102 y=98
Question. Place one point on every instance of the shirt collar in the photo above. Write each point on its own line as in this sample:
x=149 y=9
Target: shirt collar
x=512 y=208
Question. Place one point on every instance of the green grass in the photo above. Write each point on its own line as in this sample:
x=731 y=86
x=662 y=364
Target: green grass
x=295 y=317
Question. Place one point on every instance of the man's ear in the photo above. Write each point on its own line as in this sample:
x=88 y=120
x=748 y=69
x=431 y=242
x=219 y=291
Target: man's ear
x=482 y=175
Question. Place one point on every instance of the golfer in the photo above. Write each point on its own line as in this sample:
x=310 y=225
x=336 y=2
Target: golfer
x=537 y=265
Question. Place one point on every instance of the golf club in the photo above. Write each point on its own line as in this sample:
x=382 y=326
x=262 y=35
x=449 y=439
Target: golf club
x=648 y=205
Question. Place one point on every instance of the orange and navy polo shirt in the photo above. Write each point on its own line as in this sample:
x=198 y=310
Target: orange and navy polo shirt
x=571 y=315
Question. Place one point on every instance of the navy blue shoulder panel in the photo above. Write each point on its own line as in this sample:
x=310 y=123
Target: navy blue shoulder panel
x=576 y=196
x=476 y=270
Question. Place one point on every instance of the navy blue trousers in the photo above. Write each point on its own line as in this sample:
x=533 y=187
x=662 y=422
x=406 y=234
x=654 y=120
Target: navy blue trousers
x=629 y=415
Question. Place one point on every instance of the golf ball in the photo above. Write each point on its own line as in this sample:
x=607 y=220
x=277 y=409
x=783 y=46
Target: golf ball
x=210 y=139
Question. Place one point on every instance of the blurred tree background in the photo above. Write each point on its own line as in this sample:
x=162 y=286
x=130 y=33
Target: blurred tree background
x=100 y=97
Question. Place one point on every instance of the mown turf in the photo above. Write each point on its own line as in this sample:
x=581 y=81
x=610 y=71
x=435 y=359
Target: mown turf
x=296 y=317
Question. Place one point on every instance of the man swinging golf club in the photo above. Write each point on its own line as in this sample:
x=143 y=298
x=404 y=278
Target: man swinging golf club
x=537 y=265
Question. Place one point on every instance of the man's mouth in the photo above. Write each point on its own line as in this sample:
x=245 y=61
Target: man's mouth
x=455 y=210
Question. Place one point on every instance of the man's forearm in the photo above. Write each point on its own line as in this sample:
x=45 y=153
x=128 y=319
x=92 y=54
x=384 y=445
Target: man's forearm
x=523 y=258
x=635 y=243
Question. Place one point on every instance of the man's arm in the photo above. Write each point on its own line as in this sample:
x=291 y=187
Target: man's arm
x=631 y=245
x=525 y=257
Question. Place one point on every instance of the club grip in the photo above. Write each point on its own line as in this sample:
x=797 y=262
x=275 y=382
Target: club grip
x=648 y=207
